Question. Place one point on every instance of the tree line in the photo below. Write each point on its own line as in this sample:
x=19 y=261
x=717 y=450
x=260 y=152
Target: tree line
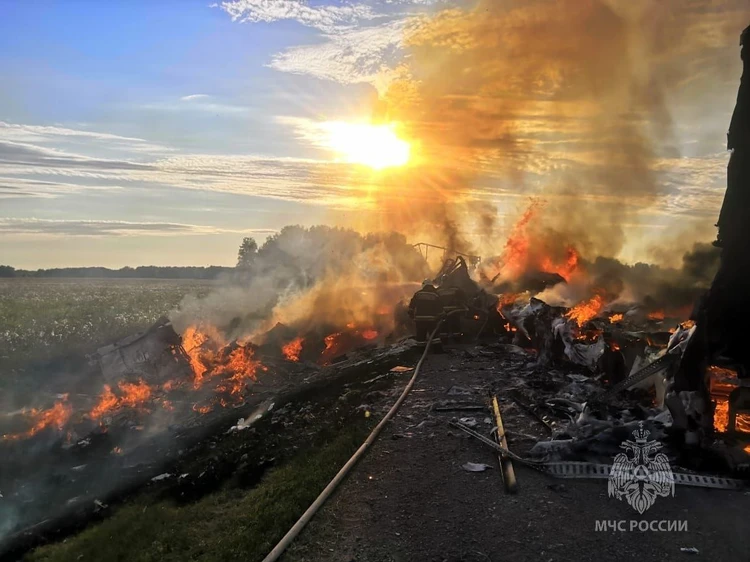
x=141 y=272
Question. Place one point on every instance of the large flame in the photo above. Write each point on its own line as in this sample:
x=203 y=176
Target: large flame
x=524 y=252
x=292 y=349
x=585 y=311
x=192 y=340
x=241 y=367
x=132 y=395
x=56 y=416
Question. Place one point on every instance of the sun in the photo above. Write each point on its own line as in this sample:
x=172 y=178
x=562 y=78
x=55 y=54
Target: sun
x=376 y=146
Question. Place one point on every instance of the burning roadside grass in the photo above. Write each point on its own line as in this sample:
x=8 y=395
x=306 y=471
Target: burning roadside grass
x=285 y=319
x=244 y=516
x=343 y=296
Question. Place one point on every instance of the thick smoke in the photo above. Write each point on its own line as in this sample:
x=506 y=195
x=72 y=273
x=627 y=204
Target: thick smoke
x=305 y=277
x=673 y=290
x=566 y=100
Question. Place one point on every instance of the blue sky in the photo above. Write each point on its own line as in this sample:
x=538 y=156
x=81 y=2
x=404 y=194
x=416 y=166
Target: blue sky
x=162 y=132
x=183 y=79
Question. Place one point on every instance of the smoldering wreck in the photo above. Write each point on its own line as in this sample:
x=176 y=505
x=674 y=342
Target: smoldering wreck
x=199 y=396
x=166 y=393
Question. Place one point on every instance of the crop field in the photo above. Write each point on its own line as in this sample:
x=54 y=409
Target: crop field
x=47 y=319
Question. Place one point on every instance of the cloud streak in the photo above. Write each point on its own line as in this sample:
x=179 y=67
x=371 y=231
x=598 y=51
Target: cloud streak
x=36 y=226
x=33 y=170
x=21 y=133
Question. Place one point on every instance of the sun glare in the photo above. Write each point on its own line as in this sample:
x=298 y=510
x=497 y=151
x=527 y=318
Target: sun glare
x=376 y=146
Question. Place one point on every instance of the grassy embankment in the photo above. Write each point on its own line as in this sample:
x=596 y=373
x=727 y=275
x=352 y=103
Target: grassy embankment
x=231 y=524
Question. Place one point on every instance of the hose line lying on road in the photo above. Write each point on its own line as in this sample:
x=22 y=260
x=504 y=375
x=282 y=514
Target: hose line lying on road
x=292 y=533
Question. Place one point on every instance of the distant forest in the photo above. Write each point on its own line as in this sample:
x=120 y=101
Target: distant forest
x=141 y=272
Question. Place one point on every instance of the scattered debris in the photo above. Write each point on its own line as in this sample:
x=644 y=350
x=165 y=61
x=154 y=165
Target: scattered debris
x=459 y=391
x=242 y=423
x=453 y=406
x=475 y=467
x=506 y=465
x=689 y=550
x=401 y=369
x=161 y=477
x=469 y=422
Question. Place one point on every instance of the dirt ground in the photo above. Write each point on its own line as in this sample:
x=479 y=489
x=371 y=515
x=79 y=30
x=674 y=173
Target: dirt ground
x=410 y=499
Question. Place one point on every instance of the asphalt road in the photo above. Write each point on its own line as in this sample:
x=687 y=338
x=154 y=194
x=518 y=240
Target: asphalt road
x=410 y=499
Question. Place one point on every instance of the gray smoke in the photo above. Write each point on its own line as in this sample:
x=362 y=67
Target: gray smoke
x=298 y=274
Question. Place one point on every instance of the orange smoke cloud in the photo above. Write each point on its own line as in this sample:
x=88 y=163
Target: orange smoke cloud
x=567 y=100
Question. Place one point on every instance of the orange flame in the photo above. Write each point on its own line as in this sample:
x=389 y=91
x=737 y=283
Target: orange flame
x=370 y=334
x=721 y=418
x=242 y=366
x=192 y=341
x=616 y=318
x=56 y=416
x=330 y=341
x=516 y=251
x=202 y=409
x=133 y=395
x=564 y=269
x=585 y=311
x=333 y=344
x=722 y=382
x=656 y=315
x=107 y=403
x=520 y=254
x=507 y=299
x=292 y=350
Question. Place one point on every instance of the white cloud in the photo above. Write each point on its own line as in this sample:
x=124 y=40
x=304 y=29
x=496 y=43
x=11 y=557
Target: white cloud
x=354 y=49
x=327 y=18
x=14 y=131
x=193 y=97
x=366 y=55
x=18 y=133
x=31 y=171
x=195 y=102
x=38 y=226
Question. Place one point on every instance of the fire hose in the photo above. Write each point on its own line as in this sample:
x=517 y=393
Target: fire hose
x=557 y=469
x=292 y=533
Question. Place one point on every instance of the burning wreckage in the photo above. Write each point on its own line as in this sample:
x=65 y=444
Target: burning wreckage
x=594 y=373
x=163 y=393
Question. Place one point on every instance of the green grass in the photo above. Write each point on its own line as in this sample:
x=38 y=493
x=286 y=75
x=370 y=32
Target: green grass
x=231 y=524
x=43 y=319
